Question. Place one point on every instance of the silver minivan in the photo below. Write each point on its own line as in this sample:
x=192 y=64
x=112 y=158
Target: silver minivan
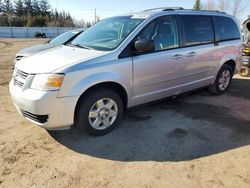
x=125 y=61
x=64 y=38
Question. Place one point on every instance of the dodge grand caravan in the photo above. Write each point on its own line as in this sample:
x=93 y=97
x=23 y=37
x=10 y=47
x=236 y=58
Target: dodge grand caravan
x=125 y=61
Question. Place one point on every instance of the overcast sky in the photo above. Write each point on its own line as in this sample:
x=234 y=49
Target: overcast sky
x=83 y=9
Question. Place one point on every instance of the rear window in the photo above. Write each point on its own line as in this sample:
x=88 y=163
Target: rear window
x=197 y=30
x=226 y=29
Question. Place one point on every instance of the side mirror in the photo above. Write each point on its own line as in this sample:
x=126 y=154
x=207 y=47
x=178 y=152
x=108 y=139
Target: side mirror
x=144 y=46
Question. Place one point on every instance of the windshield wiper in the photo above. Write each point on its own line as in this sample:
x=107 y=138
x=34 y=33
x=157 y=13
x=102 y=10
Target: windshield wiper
x=81 y=46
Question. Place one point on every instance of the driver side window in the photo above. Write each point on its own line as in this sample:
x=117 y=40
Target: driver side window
x=163 y=32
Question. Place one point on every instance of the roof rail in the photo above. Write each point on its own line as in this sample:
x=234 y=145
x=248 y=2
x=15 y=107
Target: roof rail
x=206 y=11
x=165 y=9
x=181 y=8
x=173 y=8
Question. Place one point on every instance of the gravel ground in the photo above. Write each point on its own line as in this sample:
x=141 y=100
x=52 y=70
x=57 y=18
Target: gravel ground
x=195 y=140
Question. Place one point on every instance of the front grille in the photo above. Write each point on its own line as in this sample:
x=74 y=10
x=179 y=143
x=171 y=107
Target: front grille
x=37 y=118
x=18 y=83
x=22 y=74
x=19 y=57
x=19 y=77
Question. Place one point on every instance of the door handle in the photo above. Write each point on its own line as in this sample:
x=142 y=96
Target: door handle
x=177 y=56
x=191 y=54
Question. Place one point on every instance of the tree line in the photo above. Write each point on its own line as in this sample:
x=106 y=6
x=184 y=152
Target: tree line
x=233 y=7
x=32 y=13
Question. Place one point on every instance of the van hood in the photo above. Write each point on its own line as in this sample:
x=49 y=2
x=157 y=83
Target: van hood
x=50 y=60
x=34 y=49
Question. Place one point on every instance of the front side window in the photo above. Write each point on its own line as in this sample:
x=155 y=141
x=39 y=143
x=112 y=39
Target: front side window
x=197 y=30
x=108 y=34
x=163 y=32
x=226 y=29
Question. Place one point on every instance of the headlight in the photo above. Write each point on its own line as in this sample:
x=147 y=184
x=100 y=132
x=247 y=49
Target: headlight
x=51 y=82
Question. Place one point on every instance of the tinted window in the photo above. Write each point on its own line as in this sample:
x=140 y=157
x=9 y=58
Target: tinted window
x=197 y=30
x=226 y=29
x=148 y=32
x=163 y=32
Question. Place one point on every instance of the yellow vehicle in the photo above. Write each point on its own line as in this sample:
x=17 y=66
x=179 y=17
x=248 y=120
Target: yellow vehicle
x=246 y=51
x=245 y=70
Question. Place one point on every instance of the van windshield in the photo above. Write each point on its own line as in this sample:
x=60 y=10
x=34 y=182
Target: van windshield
x=108 y=34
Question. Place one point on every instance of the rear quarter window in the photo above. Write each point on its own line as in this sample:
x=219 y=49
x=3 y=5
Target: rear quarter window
x=197 y=30
x=226 y=29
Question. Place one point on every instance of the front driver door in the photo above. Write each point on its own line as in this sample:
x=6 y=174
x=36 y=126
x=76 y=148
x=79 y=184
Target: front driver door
x=158 y=74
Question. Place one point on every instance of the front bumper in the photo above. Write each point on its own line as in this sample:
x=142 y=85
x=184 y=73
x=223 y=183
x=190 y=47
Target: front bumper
x=44 y=107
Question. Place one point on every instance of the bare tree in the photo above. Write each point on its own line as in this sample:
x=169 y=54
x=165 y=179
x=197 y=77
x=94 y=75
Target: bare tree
x=237 y=6
x=80 y=23
x=222 y=6
x=210 y=5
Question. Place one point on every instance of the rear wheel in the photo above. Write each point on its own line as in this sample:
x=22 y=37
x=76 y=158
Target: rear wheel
x=244 y=71
x=222 y=81
x=99 y=112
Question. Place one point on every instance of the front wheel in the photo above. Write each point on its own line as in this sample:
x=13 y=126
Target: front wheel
x=222 y=81
x=99 y=111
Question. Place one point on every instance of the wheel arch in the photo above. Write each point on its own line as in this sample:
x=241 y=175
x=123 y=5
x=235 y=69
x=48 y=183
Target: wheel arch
x=232 y=60
x=232 y=64
x=118 y=88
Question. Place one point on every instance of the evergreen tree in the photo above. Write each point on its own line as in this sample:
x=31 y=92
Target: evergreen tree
x=32 y=13
x=56 y=14
x=1 y=6
x=39 y=21
x=19 y=9
x=44 y=7
x=17 y=21
x=28 y=8
x=7 y=7
x=4 y=20
x=36 y=7
x=197 y=5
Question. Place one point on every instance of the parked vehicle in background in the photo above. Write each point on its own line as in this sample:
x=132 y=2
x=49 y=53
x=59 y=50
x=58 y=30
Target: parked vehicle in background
x=245 y=69
x=40 y=35
x=59 y=40
x=125 y=61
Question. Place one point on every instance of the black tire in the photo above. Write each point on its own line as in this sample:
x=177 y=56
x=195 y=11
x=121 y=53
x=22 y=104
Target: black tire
x=244 y=71
x=214 y=88
x=88 y=101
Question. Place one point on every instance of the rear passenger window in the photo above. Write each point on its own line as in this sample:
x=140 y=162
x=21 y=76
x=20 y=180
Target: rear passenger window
x=226 y=29
x=197 y=30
